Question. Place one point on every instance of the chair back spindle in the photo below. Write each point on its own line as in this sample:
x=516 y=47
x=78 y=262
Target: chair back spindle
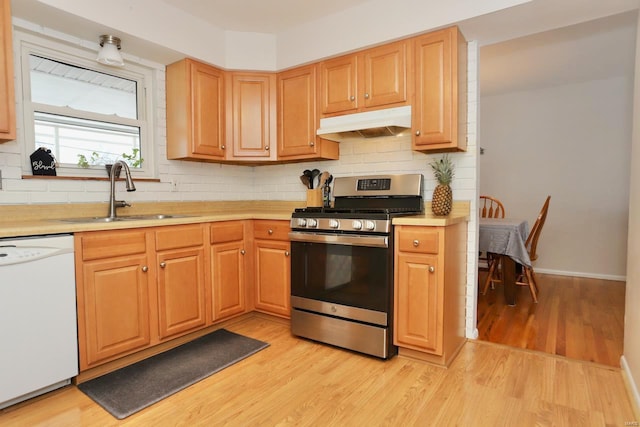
x=490 y=207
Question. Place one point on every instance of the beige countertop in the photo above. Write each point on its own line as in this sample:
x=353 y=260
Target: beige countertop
x=31 y=220
x=459 y=213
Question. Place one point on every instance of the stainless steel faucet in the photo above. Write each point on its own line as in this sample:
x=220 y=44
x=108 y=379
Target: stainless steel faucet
x=113 y=203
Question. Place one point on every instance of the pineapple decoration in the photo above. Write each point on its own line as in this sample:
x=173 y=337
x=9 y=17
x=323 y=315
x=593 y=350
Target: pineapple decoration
x=442 y=195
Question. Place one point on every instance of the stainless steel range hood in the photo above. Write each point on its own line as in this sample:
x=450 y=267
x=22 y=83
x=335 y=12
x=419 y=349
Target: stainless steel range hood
x=370 y=124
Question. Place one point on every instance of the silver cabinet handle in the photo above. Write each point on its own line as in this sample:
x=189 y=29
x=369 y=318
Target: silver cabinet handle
x=163 y=264
x=353 y=98
x=242 y=252
x=223 y=147
x=286 y=253
x=270 y=231
x=311 y=144
x=145 y=268
x=417 y=133
x=431 y=269
x=366 y=96
x=416 y=243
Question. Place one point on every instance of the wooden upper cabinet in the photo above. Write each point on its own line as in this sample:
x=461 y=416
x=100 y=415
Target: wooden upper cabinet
x=251 y=124
x=7 y=96
x=298 y=119
x=195 y=111
x=387 y=78
x=374 y=78
x=440 y=107
x=338 y=84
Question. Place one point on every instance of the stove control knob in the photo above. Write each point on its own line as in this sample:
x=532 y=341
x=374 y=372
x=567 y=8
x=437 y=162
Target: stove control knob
x=356 y=225
x=369 y=225
x=333 y=223
x=312 y=222
x=302 y=222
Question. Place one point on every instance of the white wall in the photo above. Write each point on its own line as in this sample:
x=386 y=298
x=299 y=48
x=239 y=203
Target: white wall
x=572 y=142
x=631 y=358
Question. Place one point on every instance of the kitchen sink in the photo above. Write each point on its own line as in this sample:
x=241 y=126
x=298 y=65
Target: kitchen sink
x=98 y=219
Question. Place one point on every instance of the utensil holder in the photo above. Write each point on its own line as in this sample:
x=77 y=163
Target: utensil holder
x=314 y=198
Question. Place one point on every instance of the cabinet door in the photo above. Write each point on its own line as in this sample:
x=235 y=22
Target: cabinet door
x=181 y=291
x=253 y=108
x=228 y=276
x=297 y=122
x=385 y=75
x=338 y=84
x=440 y=107
x=113 y=309
x=208 y=107
x=195 y=111
x=7 y=97
x=418 y=303
x=273 y=277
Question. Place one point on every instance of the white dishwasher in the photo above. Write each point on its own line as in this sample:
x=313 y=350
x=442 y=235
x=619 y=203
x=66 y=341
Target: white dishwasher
x=38 y=331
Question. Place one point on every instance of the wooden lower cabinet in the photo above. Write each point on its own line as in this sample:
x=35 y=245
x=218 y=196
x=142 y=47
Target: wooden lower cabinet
x=113 y=291
x=272 y=267
x=180 y=261
x=429 y=302
x=137 y=288
x=140 y=288
x=228 y=270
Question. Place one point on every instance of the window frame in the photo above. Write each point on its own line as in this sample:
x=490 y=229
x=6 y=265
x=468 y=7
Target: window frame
x=29 y=44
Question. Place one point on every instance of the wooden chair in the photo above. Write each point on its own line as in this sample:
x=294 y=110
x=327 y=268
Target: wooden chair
x=527 y=277
x=490 y=207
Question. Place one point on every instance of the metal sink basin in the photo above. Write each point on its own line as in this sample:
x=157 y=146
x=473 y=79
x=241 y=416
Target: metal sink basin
x=105 y=219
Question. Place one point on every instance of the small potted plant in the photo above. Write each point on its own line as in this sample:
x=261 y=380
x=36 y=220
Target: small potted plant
x=133 y=160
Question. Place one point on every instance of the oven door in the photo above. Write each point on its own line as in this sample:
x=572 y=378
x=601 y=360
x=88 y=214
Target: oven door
x=346 y=269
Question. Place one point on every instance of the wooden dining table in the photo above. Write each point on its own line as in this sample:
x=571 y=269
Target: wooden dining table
x=506 y=237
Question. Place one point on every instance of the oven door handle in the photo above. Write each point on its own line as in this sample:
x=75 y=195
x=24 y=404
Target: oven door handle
x=340 y=239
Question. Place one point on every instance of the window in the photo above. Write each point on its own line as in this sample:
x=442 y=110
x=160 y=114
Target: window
x=86 y=113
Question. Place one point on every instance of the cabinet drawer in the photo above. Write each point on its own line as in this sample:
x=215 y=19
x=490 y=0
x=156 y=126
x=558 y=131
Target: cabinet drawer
x=226 y=232
x=420 y=240
x=179 y=236
x=109 y=244
x=271 y=230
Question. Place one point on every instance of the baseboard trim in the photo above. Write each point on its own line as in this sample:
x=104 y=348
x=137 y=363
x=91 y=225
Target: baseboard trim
x=582 y=274
x=632 y=388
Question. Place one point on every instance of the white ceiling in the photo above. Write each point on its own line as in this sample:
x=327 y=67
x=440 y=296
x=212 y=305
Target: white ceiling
x=277 y=16
x=261 y=16
x=600 y=49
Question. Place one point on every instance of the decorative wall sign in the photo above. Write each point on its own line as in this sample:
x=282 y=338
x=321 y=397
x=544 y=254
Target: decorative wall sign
x=43 y=162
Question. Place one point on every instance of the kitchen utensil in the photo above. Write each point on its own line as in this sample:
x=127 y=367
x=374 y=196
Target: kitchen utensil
x=305 y=180
x=307 y=173
x=324 y=176
x=314 y=174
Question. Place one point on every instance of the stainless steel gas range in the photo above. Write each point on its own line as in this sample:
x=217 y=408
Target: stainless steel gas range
x=342 y=263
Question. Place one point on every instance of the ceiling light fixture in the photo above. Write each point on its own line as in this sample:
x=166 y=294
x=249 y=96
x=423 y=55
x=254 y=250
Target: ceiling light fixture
x=108 y=54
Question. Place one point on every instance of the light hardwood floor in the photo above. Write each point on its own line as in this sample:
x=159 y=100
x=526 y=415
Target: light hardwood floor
x=575 y=317
x=296 y=382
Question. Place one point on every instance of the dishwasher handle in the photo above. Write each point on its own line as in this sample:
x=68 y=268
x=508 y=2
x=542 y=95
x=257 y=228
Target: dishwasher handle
x=12 y=255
